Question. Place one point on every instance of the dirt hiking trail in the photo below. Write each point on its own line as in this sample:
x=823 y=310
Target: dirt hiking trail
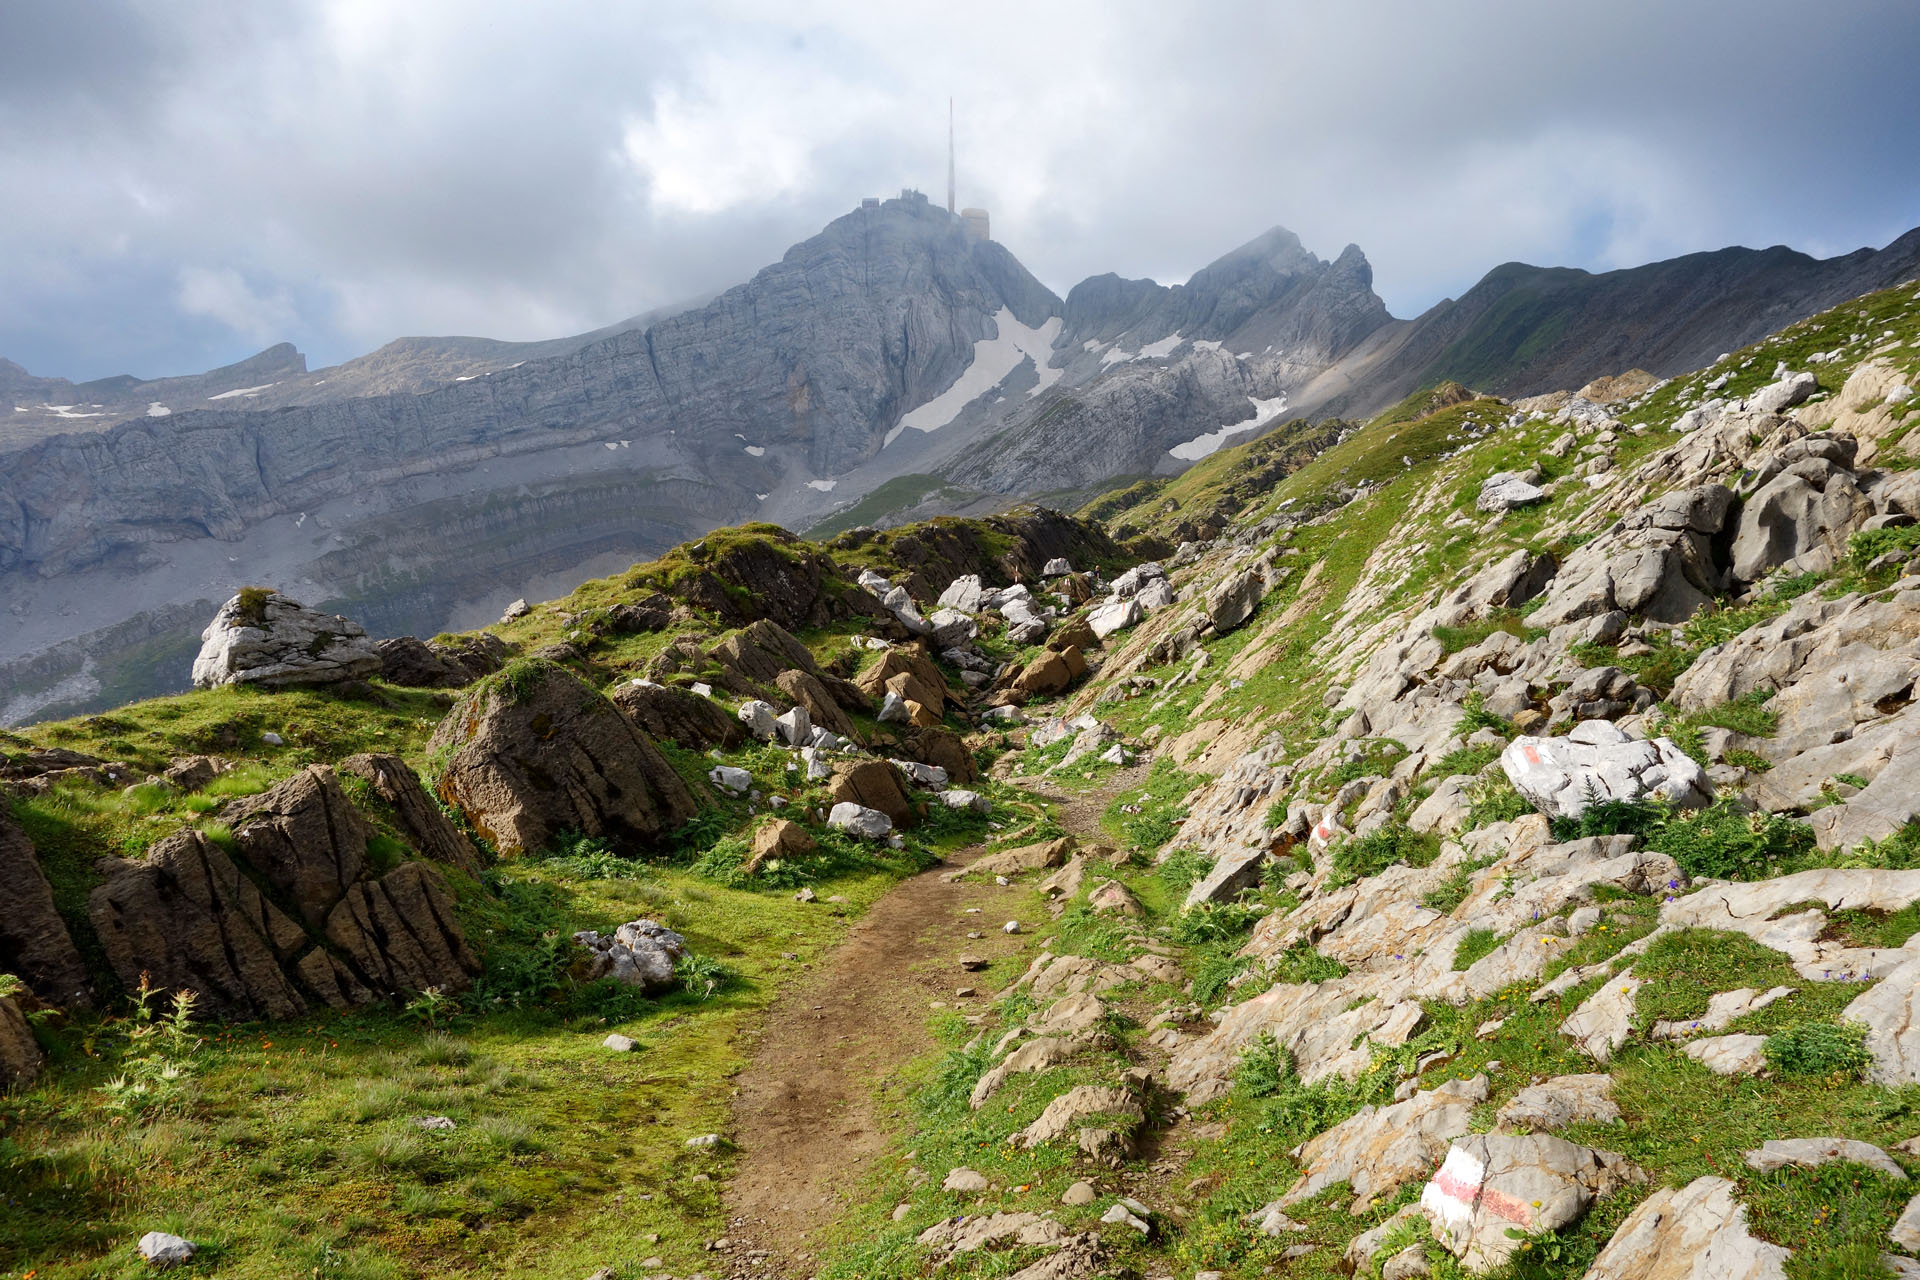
x=818 y=1104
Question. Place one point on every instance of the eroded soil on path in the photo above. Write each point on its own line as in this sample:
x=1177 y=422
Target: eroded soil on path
x=818 y=1103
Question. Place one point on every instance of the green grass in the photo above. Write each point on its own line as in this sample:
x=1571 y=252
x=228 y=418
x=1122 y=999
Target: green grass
x=292 y=1142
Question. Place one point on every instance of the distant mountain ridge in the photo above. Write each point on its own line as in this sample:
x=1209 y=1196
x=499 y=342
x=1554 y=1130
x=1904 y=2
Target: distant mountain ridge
x=888 y=365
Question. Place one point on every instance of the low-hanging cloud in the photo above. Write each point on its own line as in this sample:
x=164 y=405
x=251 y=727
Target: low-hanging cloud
x=189 y=181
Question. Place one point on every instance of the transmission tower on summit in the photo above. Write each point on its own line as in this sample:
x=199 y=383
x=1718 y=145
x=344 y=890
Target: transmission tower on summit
x=973 y=221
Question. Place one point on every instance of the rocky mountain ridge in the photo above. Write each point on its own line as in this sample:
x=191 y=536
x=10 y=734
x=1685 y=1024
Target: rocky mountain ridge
x=886 y=367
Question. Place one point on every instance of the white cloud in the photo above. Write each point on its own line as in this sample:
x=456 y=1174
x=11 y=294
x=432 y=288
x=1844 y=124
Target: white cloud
x=223 y=294
x=341 y=172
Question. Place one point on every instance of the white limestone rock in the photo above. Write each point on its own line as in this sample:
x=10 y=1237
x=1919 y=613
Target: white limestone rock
x=262 y=637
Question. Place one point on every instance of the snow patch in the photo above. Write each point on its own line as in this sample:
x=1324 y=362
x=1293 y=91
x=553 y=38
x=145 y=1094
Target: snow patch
x=1204 y=345
x=69 y=411
x=1091 y=344
x=756 y=451
x=1264 y=411
x=1164 y=347
x=824 y=486
x=993 y=359
x=463 y=377
x=613 y=446
x=763 y=497
x=243 y=391
x=157 y=410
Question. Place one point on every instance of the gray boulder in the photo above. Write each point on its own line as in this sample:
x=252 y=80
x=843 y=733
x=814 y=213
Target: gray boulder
x=1778 y=397
x=967 y=594
x=1680 y=1233
x=1233 y=873
x=1233 y=601
x=1804 y=505
x=858 y=820
x=1597 y=761
x=639 y=953
x=1114 y=615
x=1509 y=490
x=262 y=637
x=1657 y=562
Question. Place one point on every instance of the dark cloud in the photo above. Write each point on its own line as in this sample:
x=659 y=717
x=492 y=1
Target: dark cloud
x=188 y=181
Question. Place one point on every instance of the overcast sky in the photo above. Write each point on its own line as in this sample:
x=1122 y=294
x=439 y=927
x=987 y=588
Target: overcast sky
x=184 y=183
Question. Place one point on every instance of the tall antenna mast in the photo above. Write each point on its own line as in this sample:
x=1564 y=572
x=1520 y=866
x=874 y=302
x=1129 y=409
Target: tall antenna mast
x=949 y=156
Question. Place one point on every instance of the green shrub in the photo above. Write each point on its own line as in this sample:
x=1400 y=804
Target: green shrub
x=1868 y=545
x=1477 y=717
x=1464 y=760
x=1465 y=636
x=1265 y=1068
x=1212 y=922
x=1301 y=963
x=1728 y=843
x=1492 y=798
x=1360 y=856
x=1458 y=884
x=1723 y=840
x=1818 y=1049
x=1478 y=944
x=1374 y=760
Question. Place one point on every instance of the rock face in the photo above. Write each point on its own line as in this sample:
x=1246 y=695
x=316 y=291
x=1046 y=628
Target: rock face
x=534 y=752
x=1493 y=1183
x=1596 y=761
x=34 y=942
x=20 y=1054
x=261 y=637
x=1508 y=490
x=1803 y=505
x=426 y=827
x=1657 y=562
x=679 y=716
x=191 y=917
x=1695 y=1232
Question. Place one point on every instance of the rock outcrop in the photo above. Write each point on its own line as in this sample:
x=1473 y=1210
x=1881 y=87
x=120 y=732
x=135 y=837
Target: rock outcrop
x=533 y=753
x=34 y=942
x=191 y=918
x=262 y=637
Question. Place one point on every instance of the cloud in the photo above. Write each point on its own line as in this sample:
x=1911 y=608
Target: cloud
x=189 y=180
x=223 y=294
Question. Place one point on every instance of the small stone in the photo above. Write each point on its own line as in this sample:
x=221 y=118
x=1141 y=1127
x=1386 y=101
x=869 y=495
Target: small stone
x=272 y=739
x=973 y=964
x=1807 y=1153
x=965 y=1180
x=705 y=1140
x=901 y=1210
x=1120 y=1214
x=618 y=1043
x=432 y=1122
x=1011 y=926
x=805 y=895
x=163 y=1250
x=1080 y=1193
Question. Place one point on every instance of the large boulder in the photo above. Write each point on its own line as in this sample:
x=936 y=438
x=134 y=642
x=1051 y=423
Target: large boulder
x=1050 y=672
x=680 y=716
x=193 y=916
x=909 y=671
x=1657 y=562
x=1495 y=1190
x=533 y=752
x=1805 y=503
x=807 y=691
x=1689 y=1233
x=942 y=748
x=441 y=664
x=872 y=784
x=1233 y=601
x=1509 y=490
x=262 y=637
x=639 y=953
x=34 y=942
x=422 y=821
x=1597 y=761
